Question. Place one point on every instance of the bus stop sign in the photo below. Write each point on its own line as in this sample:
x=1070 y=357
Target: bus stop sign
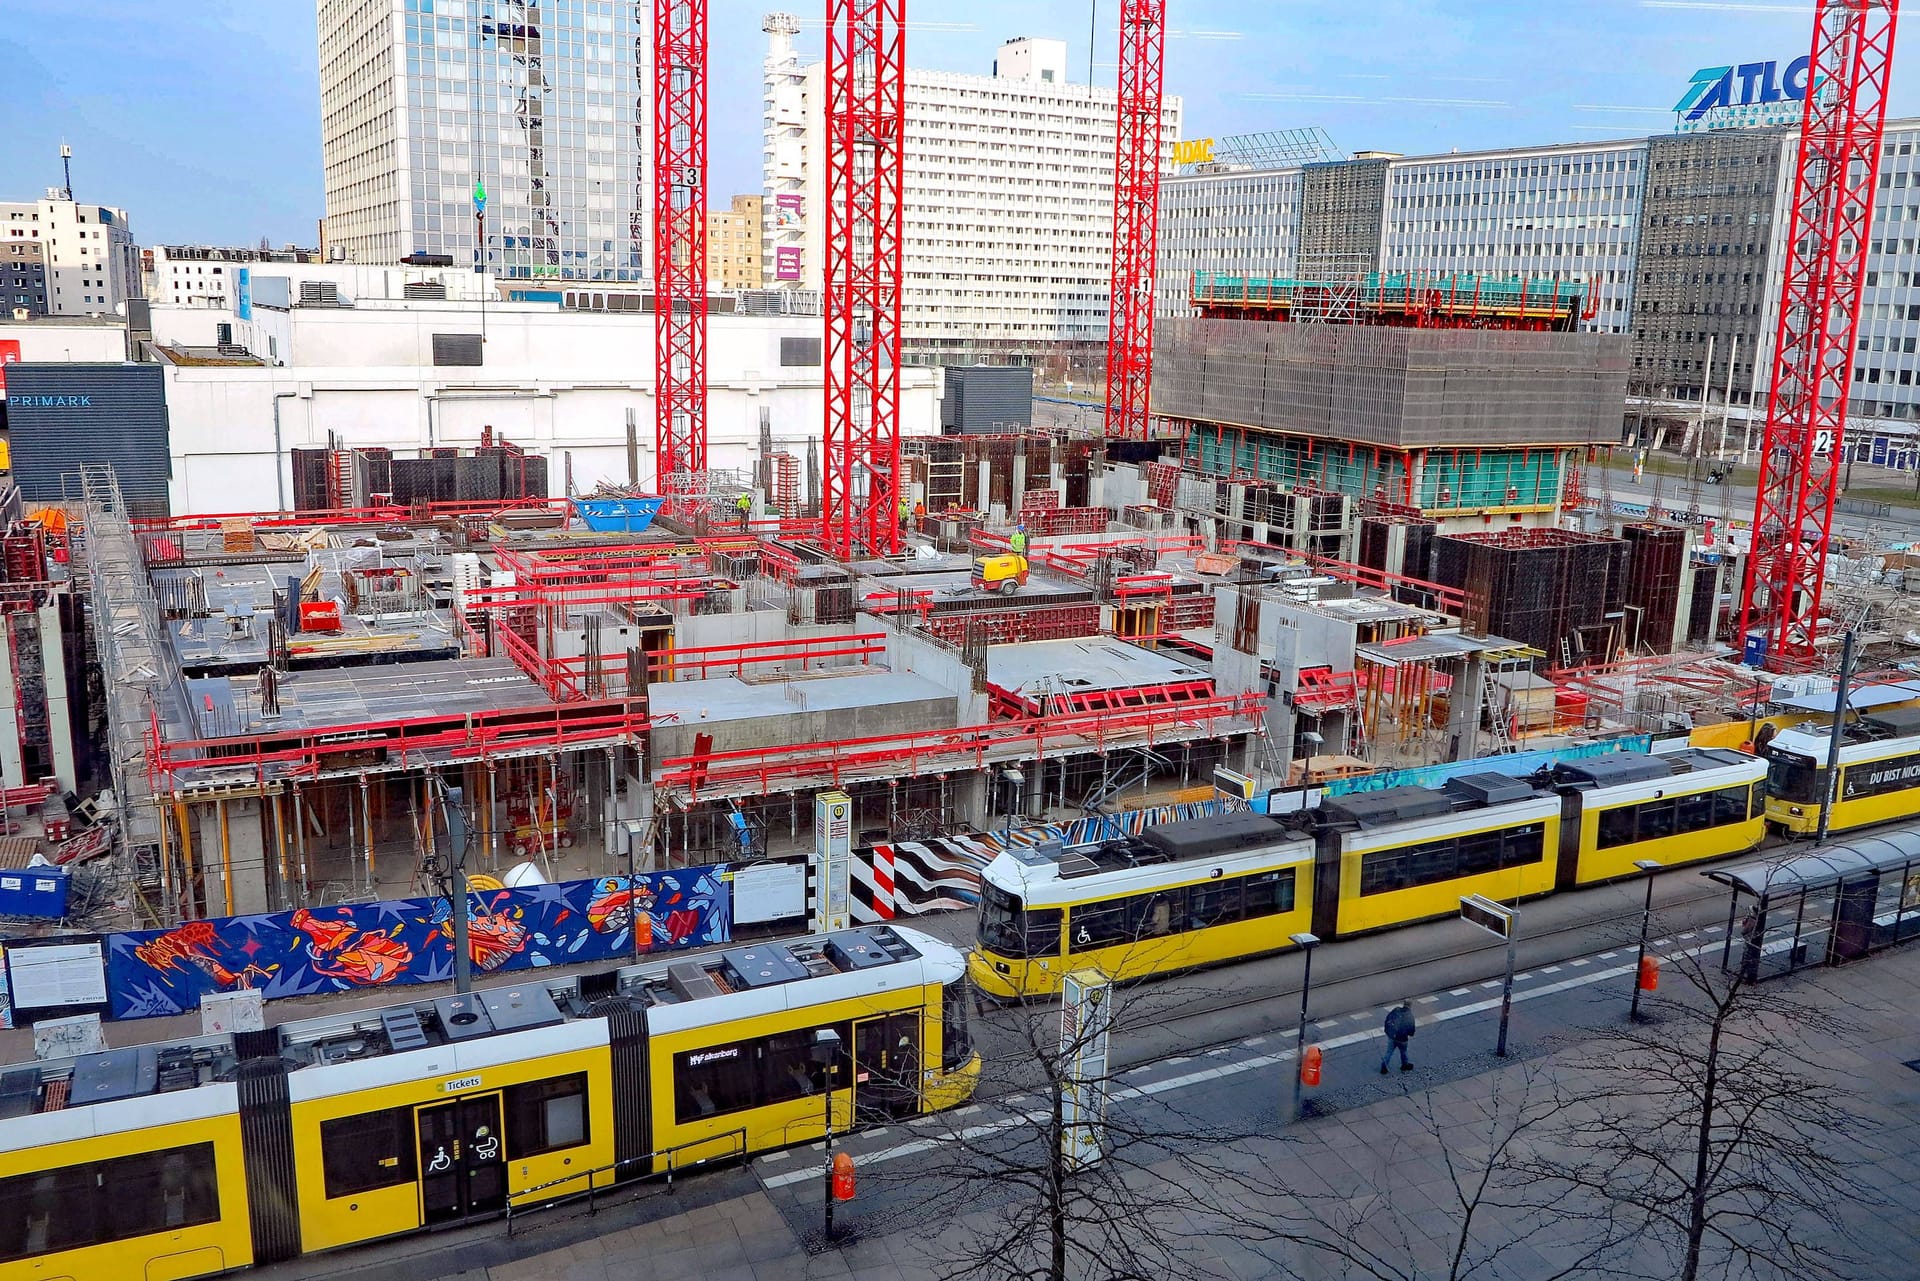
x=1495 y=918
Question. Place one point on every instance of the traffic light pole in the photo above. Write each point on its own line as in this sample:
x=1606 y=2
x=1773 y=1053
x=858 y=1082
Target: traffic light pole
x=1506 y=993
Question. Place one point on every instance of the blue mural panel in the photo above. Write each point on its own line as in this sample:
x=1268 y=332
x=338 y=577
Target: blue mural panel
x=312 y=951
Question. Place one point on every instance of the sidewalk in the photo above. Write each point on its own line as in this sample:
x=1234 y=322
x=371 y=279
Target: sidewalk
x=1371 y=1155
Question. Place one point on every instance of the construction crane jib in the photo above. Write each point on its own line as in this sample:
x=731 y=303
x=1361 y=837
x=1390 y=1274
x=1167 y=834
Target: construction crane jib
x=865 y=110
x=680 y=245
x=1137 y=159
x=1829 y=223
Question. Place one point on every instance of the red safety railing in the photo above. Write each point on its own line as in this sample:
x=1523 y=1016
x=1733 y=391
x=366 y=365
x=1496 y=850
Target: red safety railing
x=397 y=744
x=1450 y=600
x=972 y=747
x=801 y=654
x=383 y=514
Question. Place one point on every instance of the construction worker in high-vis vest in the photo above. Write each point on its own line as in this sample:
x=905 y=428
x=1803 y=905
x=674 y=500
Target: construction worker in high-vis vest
x=1018 y=543
x=745 y=504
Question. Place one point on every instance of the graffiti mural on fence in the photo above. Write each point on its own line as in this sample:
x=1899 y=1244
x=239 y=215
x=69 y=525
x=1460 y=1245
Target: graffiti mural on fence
x=311 y=951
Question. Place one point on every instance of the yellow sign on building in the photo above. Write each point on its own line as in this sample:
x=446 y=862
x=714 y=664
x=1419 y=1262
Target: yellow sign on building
x=1199 y=151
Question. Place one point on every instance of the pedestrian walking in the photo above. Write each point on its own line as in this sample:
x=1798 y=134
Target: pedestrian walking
x=1399 y=1029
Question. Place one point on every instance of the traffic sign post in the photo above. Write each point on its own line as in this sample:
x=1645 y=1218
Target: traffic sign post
x=1504 y=922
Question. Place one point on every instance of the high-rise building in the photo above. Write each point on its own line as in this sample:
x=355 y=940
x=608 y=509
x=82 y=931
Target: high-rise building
x=88 y=261
x=734 y=244
x=546 y=104
x=23 y=277
x=1009 y=199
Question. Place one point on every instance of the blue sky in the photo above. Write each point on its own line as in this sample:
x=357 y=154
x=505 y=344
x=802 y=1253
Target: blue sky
x=201 y=118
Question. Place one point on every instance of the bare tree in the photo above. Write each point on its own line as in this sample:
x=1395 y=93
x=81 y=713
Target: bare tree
x=1494 y=1199
x=1739 y=1161
x=1022 y=1199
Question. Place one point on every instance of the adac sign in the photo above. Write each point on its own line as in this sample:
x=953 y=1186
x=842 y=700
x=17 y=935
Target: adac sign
x=1753 y=93
x=1198 y=151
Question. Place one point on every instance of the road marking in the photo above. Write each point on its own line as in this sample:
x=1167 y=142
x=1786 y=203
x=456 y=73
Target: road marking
x=1428 y=1000
x=1581 y=961
x=1550 y=969
x=1490 y=983
x=1608 y=956
x=775 y=1156
x=1460 y=991
x=1521 y=978
x=1152 y=1088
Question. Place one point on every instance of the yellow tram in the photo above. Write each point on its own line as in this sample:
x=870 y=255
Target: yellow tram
x=194 y=1157
x=1211 y=890
x=1879 y=773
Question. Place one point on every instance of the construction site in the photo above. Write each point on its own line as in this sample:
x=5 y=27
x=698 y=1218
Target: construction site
x=1333 y=525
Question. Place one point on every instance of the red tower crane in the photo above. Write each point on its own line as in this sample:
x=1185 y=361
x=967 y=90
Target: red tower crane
x=1828 y=226
x=866 y=82
x=680 y=244
x=1136 y=216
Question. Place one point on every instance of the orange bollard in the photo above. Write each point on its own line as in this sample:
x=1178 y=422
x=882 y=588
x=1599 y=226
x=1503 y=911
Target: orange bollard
x=1649 y=980
x=842 y=1177
x=1310 y=1066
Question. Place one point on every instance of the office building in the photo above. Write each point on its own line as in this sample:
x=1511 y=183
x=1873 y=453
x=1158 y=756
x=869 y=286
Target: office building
x=734 y=245
x=1009 y=200
x=545 y=106
x=89 y=264
x=1568 y=213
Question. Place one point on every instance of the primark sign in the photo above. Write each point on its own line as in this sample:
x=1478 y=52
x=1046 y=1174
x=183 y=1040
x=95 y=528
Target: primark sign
x=1748 y=96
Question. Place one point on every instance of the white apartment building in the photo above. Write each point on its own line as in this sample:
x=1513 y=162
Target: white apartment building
x=1567 y=212
x=208 y=275
x=1009 y=198
x=546 y=106
x=90 y=260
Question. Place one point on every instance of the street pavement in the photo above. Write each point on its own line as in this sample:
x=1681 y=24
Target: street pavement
x=1377 y=1150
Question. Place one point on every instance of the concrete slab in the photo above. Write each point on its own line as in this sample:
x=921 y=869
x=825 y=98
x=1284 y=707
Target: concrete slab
x=1082 y=666
x=744 y=714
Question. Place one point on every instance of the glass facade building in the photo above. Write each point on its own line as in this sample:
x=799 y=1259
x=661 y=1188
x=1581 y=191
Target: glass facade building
x=544 y=103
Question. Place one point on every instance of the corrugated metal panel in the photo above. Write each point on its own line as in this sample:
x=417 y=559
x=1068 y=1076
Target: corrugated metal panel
x=987 y=398
x=60 y=416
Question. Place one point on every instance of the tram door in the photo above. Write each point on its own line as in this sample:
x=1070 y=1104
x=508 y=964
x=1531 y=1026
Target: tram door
x=463 y=1167
x=886 y=1067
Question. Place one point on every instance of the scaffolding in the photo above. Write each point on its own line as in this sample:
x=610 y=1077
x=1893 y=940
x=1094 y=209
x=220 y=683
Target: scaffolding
x=1410 y=300
x=1552 y=590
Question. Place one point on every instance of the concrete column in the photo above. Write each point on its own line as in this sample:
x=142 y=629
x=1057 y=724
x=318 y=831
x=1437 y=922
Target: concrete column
x=970 y=799
x=1019 y=478
x=986 y=486
x=53 y=661
x=12 y=770
x=233 y=856
x=1463 y=715
x=1097 y=479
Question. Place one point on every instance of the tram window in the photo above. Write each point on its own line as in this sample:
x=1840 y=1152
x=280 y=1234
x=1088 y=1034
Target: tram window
x=1876 y=778
x=1479 y=852
x=1524 y=845
x=1383 y=872
x=545 y=1116
x=1269 y=893
x=956 y=1037
x=1094 y=925
x=1656 y=820
x=789 y=1068
x=1616 y=826
x=1695 y=812
x=372 y=1150
x=1151 y=915
x=1214 y=903
x=715 y=1080
x=1433 y=861
x=1731 y=805
x=1794 y=778
x=1010 y=929
x=104 y=1201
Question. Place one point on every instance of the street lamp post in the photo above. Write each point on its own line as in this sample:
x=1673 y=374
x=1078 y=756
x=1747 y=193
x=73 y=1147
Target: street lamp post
x=826 y=1053
x=1649 y=866
x=1306 y=943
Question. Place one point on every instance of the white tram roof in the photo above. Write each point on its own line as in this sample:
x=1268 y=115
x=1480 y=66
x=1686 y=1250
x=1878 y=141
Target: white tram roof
x=362 y=1048
x=1881 y=733
x=1169 y=853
